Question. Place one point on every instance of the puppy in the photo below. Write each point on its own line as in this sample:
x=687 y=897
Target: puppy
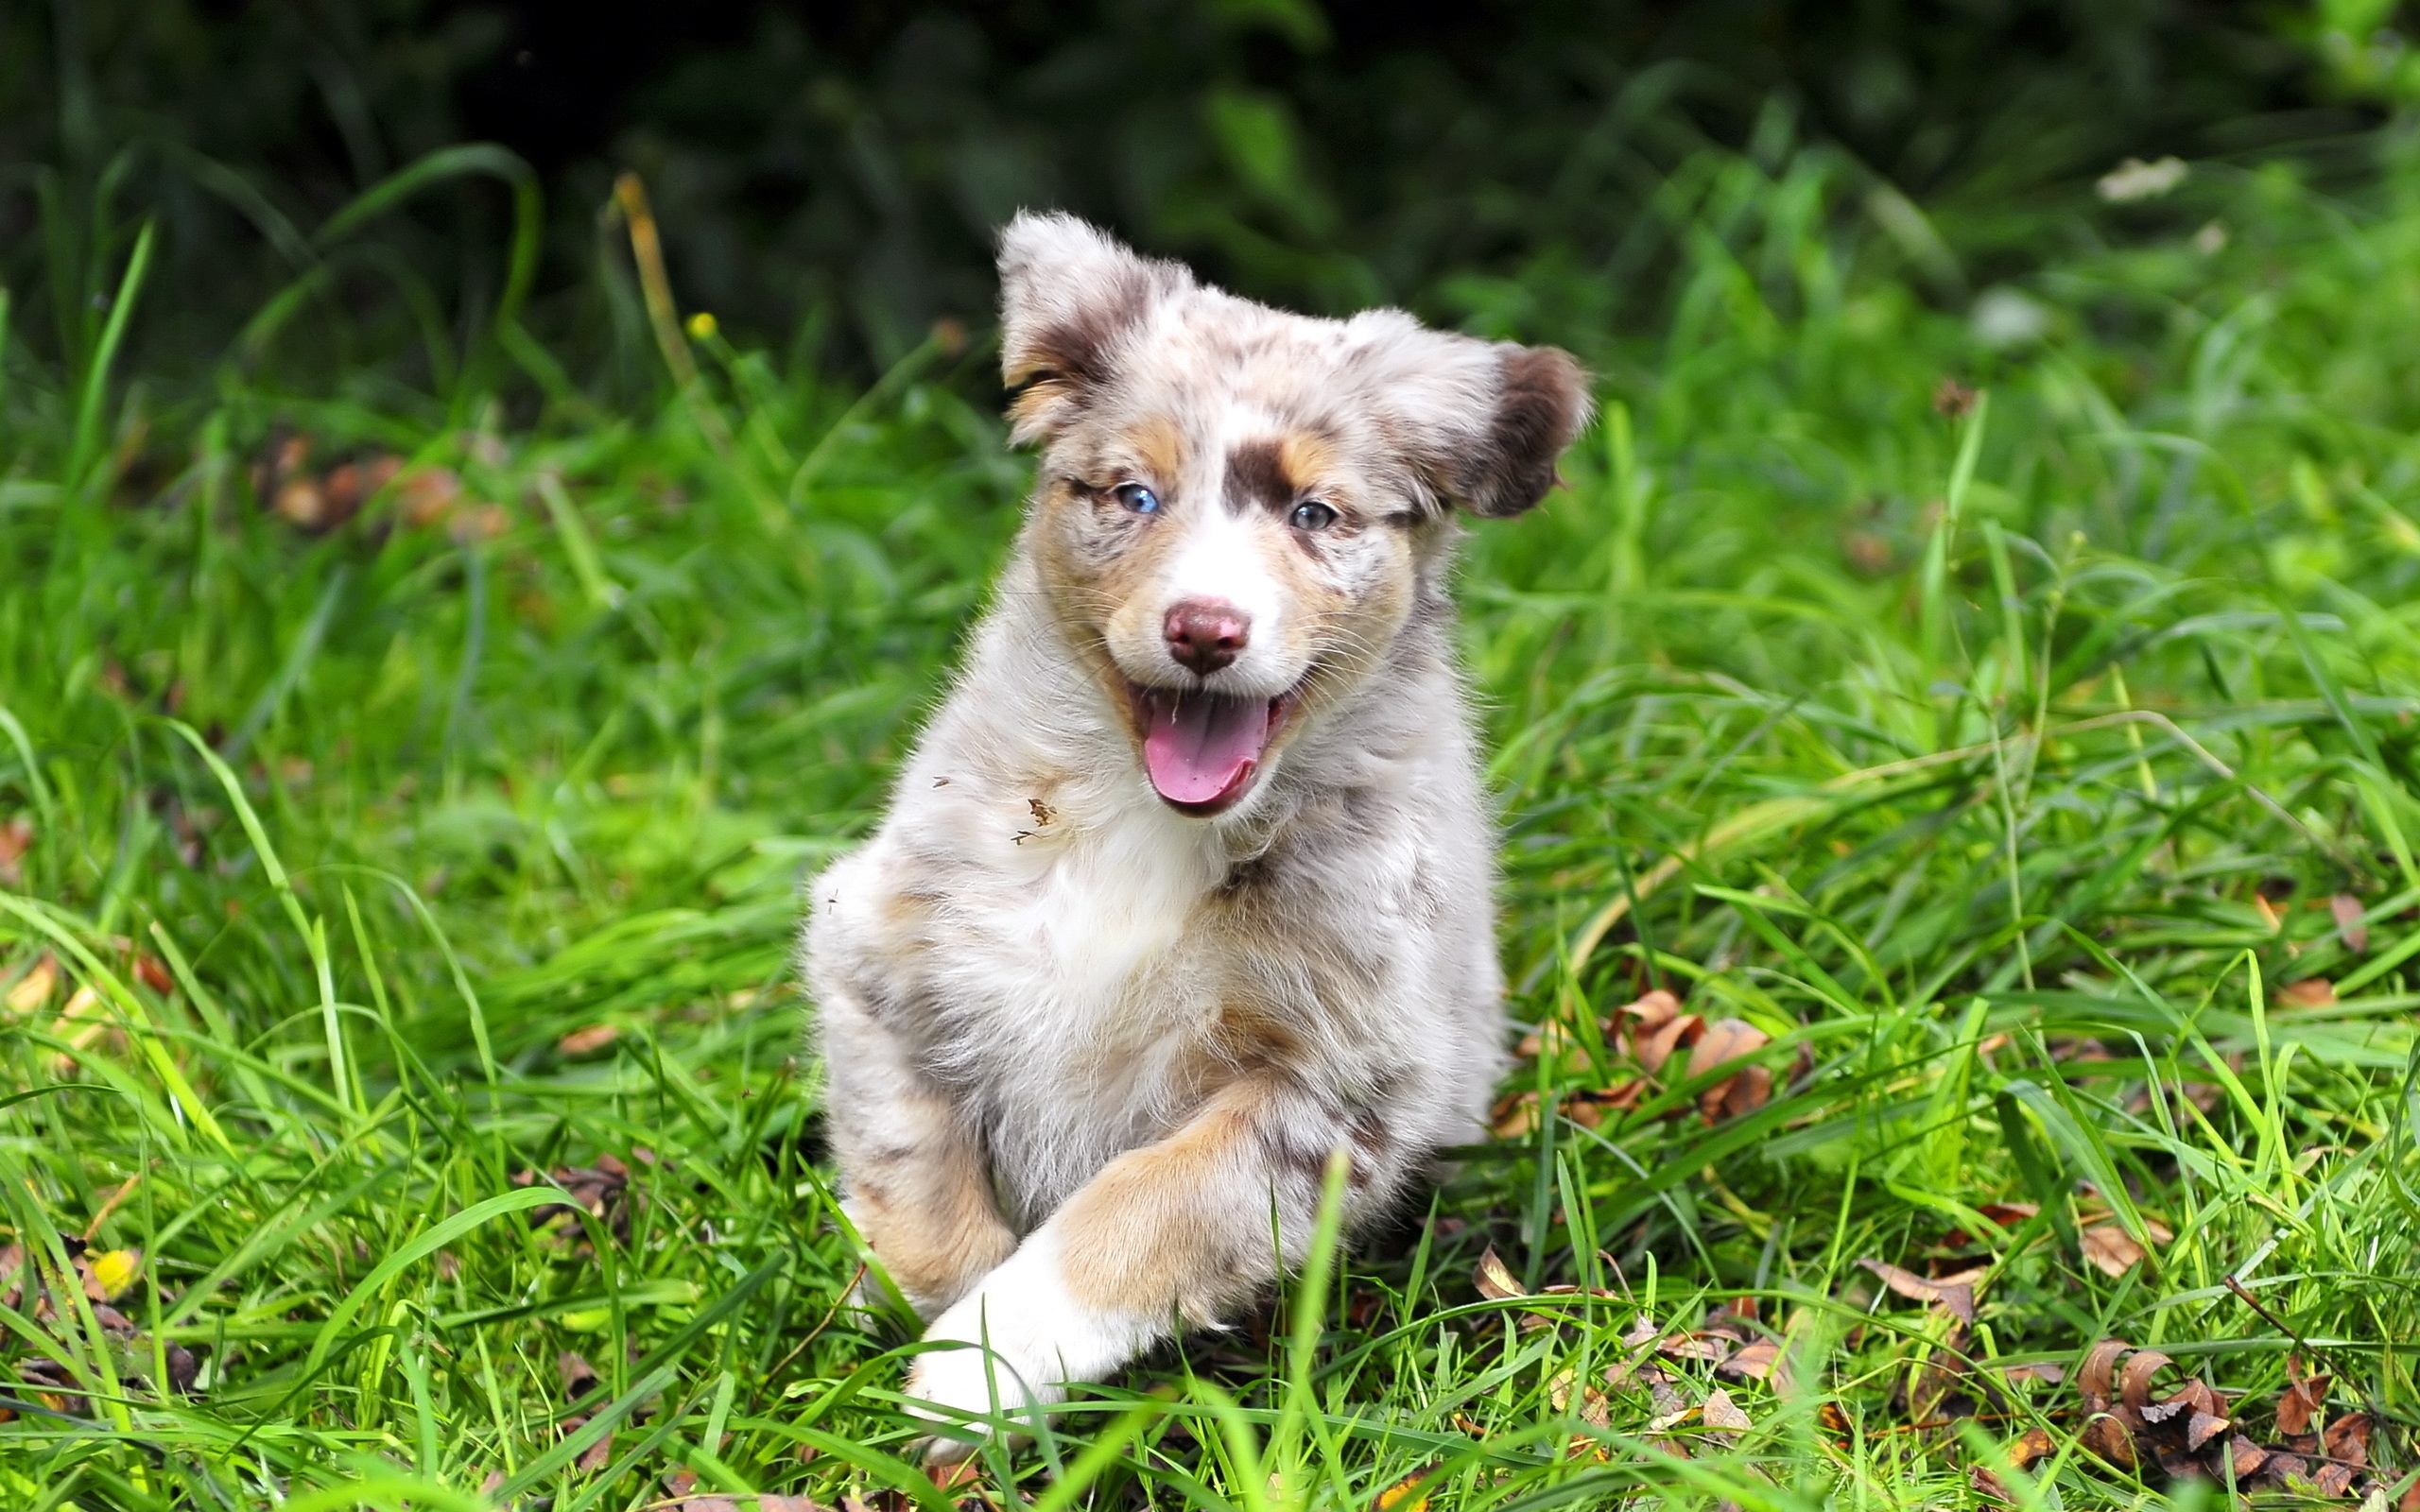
x=1189 y=881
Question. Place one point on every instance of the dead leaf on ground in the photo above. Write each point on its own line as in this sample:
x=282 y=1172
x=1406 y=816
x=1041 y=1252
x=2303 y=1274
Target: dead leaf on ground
x=1495 y=1278
x=2028 y=1447
x=2311 y=992
x=1744 y=1090
x=34 y=989
x=16 y=838
x=581 y=1042
x=2112 y=1251
x=2304 y=1397
x=601 y=1191
x=2192 y=1431
x=1951 y=1294
x=1722 y=1412
x=578 y=1376
x=2346 y=910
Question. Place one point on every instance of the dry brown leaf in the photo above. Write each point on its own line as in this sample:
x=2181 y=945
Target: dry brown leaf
x=1989 y=1485
x=2028 y=1447
x=1760 y=1360
x=1725 y=1040
x=1722 y=1412
x=2311 y=992
x=1651 y=1011
x=578 y=1376
x=2346 y=910
x=1495 y=1278
x=34 y=989
x=427 y=494
x=2302 y=1401
x=1953 y=1294
x=2134 y=1380
x=581 y=1042
x=596 y=1455
x=2347 y=1438
x=16 y=838
x=1407 y=1495
x=2042 y=1370
x=2111 y=1249
x=1514 y=1116
x=1657 y=1048
x=2099 y=1372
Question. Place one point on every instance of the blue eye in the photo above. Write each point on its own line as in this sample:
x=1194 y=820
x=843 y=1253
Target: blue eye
x=1312 y=515
x=1137 y=498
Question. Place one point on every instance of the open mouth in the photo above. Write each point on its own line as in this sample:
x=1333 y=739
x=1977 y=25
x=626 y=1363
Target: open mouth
x=1202 y=749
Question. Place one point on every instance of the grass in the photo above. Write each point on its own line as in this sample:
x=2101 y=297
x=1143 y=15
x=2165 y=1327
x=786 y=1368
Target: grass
x=2001 y=766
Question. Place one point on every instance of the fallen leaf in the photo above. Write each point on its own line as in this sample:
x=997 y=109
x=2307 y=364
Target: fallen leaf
x=595 y=1037
x=1653 y=1011
x=2027 y=1448
x=2302 y=1401
x=1760 y=1360
x=1494 y=1279
x=578 y=1376
x=2311 y=992
x=2134 y=1380
x=1989 y=1485
x=2111 y=1249
x=1953 y=1294
x=1658 y=1047
x=1407 y=1495
x=34 y=989
x=427 y=494
x=2346 y=910
x=2349 y=1438
x=1515 y=1116
x=1722 y=1412
x=16 y=838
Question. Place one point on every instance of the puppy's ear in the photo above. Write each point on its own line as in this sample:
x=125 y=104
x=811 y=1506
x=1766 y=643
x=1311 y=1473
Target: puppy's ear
x=1069 y=298
x=1481 y=422
x=1540 y=402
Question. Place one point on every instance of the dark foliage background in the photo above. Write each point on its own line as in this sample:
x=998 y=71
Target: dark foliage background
x=830 y=174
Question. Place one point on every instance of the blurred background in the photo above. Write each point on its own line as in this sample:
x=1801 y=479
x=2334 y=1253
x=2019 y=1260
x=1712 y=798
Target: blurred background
x=828 y=177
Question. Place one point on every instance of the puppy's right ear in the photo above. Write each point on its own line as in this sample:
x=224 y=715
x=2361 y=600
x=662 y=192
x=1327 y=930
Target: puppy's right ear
x=1069 y=297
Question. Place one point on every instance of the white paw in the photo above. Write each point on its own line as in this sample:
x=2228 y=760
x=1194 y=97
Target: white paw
x=1022 y=1336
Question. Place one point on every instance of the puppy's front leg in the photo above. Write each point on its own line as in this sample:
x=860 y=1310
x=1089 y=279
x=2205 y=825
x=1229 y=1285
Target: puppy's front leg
x=917 y=1186
x=1181 y=1227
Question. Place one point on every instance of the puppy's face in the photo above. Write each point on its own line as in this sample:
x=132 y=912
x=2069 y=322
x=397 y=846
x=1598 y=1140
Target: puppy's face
x=1236 y=506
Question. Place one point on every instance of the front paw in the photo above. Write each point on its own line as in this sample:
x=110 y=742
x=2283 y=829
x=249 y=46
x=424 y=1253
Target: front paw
x=1012 y=1344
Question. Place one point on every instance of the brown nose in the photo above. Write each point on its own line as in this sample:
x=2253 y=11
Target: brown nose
x=1207 y=633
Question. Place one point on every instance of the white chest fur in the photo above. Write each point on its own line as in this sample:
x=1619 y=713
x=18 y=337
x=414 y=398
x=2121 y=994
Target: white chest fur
x=1076 y=975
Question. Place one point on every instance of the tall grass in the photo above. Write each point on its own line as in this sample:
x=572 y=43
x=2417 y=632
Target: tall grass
x=1996 y=748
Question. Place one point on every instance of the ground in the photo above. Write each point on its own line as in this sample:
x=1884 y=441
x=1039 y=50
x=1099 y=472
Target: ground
x=1987 y=712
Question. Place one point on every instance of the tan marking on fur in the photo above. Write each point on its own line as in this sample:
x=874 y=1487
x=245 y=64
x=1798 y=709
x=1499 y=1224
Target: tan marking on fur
x=929 y=1213
x=1159 y=445
x=1308 y=460
x=1141 y=1238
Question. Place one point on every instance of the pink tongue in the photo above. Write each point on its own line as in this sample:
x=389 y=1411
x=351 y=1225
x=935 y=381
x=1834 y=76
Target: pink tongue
x=1200 y=745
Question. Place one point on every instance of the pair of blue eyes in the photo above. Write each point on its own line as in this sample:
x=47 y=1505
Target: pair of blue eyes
x=1308 y=515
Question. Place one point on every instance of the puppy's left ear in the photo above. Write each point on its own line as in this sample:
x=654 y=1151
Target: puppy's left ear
x=1540 y=402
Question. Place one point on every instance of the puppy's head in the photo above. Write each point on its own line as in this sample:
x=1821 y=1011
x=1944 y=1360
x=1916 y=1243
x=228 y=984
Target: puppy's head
x=1238 y=509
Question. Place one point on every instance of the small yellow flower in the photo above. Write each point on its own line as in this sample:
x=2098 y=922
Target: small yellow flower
x=701 y=325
